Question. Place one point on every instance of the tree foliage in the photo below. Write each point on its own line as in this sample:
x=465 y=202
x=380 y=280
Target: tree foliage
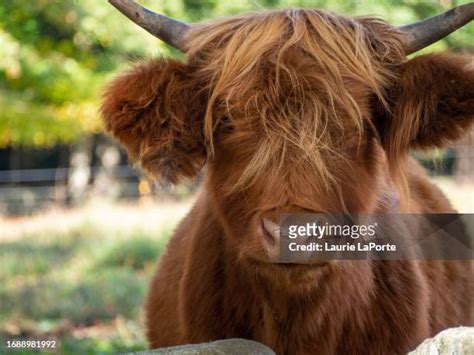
x=56 y=55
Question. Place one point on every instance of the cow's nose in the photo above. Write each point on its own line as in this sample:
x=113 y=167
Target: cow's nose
x=270 y=234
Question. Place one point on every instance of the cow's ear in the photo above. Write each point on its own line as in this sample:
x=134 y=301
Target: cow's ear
x=155 y=111
x=432 y=104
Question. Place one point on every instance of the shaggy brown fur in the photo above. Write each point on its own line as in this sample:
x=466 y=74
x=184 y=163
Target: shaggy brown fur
x=293 y=111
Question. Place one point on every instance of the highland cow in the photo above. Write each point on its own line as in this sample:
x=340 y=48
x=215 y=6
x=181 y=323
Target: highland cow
x=292 y=111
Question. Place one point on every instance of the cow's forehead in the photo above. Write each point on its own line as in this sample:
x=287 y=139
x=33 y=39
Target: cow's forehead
x=311 y=29
x=283 y=64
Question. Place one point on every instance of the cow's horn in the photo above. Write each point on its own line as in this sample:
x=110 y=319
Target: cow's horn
x=421 y=34
x=165 y=28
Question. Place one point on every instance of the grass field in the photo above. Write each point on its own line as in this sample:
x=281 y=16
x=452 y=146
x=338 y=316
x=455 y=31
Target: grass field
x=80 y=276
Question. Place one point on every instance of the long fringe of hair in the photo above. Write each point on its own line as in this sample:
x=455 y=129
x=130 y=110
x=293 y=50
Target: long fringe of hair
x=286 y=75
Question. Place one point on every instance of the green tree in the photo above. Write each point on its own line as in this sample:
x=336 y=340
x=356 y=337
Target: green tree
x=54 y=57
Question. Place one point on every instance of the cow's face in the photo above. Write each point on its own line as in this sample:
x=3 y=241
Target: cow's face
x=290 y=117
x=290 y=111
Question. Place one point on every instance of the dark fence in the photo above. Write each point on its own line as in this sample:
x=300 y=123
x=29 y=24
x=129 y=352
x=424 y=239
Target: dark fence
x=24 y=191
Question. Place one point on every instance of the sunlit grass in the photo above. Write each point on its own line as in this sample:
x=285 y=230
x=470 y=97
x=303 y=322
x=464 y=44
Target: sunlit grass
x=81 y=276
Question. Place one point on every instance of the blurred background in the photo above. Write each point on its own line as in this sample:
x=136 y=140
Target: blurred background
x=80 y=229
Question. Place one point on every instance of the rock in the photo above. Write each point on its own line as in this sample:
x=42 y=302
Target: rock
x=220 y=347
x=452 y=341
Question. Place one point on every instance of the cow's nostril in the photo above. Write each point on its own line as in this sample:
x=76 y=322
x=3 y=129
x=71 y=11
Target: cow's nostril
x=268 y=238
x=271 y=233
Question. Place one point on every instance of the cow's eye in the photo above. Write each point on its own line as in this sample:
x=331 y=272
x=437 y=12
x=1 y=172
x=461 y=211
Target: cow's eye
x=225 y=128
